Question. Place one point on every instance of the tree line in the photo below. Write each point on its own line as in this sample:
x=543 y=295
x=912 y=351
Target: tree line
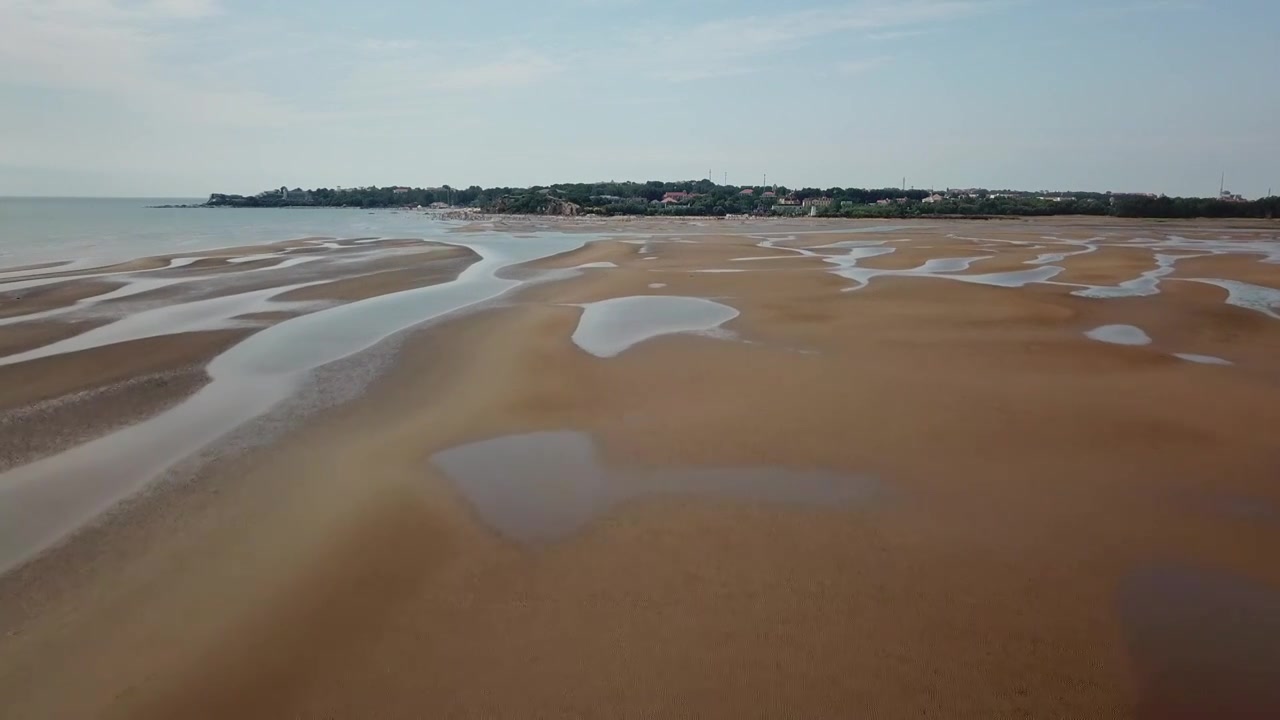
x=707 y=198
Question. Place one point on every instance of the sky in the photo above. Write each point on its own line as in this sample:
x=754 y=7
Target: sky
x=181 y=98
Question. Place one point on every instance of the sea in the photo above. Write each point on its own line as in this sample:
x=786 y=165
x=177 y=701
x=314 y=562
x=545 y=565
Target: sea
x=93 y=231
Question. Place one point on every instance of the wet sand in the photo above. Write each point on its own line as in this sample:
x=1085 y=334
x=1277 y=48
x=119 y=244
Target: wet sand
x=900 y=494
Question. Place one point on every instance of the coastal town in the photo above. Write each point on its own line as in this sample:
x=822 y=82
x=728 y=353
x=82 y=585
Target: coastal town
x=705 y=198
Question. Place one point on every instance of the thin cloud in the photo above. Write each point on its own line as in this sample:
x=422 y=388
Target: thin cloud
x=857 y=67
x=378 y=45
x=1147 y=6
x=720 y=47
x=515 y=71
x=119 y=50
x=184 y=9
x=897 y=34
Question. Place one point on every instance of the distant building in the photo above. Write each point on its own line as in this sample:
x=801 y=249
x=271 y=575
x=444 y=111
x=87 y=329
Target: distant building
x=933 y=199
x=769 y=194
x=748 y=191
x=296 y=196
x=400 y=190
x=819 y=202
x=675 y=197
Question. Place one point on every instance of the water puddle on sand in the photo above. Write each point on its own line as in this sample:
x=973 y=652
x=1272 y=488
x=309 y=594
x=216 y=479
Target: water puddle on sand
x=1148 y=283
x=609 y=327
x=1119 y=335
x=43 y=501
x=210 y=314
x=1202 y=359
x=1245 y=507
x=1205 y=644
x=846 y=266
x=545 y=486
x=143 y=282
x=1258 y=298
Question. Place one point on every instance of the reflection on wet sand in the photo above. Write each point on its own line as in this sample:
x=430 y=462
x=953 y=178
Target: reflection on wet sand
x=1205 y=643
x=911 y=489
x=549 y=485
x=46 y=499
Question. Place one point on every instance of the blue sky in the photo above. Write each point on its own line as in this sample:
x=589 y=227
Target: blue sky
x=187 y=97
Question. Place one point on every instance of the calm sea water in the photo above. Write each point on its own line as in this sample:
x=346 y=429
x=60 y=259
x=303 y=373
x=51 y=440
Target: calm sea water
x=97 y=230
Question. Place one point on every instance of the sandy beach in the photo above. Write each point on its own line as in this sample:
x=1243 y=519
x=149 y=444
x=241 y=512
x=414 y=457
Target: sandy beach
x=540 y=468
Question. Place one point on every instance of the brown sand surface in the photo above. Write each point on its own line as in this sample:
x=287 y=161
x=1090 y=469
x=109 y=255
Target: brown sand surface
x=45 y=297
x=1029 y=475
x=23 y=336
x=52 y=403
x=352 y=279
x=216 y=265
x=417 y=270
x=907 y=257
x=33 y=266
x=58 y=375
x=1258 y=273
x=212 y=260
x=1107 y=266
x=267 y=317
x=44 y=428
x=603 y=251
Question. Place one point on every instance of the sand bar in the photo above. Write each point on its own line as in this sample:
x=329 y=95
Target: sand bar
x=891 y=482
